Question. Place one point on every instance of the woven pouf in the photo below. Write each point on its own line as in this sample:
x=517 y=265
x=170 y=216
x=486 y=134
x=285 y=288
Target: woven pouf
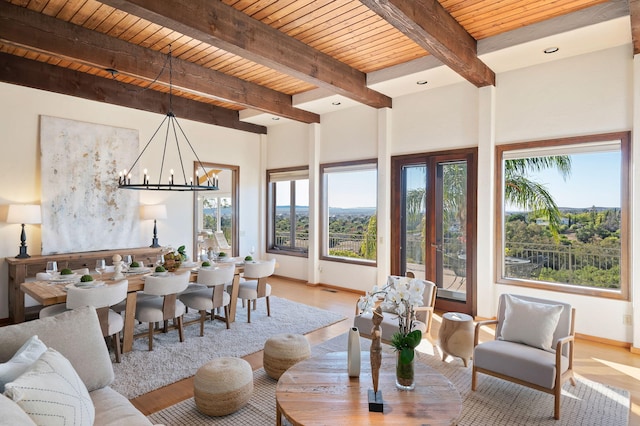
x=282 y=351
x=223 y=386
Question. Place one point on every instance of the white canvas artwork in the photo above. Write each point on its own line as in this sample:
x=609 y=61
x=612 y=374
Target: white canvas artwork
x=82 y=207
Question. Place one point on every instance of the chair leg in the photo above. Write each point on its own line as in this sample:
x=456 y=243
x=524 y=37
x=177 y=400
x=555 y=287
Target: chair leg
x=268 y=307
x=116 y=346
x=226 y=315
x=249 y=311
x=474 y=377
x=255 y=303
x=556 y=404
x=150 y=336
x=203 y=316
x=180 y=329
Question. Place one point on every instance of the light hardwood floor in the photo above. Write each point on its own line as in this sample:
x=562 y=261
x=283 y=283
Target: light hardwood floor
x=599 y=362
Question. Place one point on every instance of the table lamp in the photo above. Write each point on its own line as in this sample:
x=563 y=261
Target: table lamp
x=24 y=214
x=157 y=211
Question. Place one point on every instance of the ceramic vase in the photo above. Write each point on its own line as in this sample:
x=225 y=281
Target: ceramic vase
x=405 y=379
x=353 y=352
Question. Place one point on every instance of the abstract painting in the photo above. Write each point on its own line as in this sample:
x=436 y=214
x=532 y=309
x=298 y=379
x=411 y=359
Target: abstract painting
x=82 y=207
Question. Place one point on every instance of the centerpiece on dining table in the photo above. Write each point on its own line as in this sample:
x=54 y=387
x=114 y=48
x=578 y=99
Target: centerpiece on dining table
x=174 y=258
x=400 y=297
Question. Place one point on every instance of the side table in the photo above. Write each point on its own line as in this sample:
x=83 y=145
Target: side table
x=456 y=336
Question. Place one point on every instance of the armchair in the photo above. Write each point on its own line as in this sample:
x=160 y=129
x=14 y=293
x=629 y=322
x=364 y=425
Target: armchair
x=533 y=347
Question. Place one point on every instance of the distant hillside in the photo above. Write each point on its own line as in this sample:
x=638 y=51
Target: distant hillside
x=353 y=211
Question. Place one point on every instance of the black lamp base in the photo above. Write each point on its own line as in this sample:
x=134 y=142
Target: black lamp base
x=154 y=241
x=23 y=245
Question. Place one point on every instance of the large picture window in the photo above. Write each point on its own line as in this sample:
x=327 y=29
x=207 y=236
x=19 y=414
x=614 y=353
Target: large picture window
x=563 y=215
x=349 y=211
x=288 y=195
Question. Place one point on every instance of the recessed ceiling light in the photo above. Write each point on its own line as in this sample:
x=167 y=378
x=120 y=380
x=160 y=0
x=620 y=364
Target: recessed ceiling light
x=551 y=50
x=336 y=103
x=275 y=118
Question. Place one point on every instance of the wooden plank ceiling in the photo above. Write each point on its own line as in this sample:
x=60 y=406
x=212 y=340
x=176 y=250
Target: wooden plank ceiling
x=234 y=54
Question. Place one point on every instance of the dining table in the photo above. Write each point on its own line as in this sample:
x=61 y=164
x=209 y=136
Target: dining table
x=48 y=292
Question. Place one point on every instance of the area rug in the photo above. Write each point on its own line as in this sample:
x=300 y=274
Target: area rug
x=142 y=371
x=495 y=403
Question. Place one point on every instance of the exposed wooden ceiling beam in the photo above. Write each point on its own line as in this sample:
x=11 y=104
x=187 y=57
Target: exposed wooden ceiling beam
x=40 y=75
x=220 y=25
x=634 y=10
x=25 y=28
x=428 y=24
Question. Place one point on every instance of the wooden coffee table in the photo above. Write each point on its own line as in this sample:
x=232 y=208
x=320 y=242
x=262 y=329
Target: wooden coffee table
x=318 y=391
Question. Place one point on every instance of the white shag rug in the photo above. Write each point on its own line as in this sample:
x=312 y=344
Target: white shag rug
x=495 y=403
x=141 y=371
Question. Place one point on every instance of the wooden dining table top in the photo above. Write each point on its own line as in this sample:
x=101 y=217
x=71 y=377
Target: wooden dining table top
x=50 y=293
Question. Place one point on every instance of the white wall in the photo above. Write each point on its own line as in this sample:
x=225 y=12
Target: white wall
x=19 y=117
x=580 y=95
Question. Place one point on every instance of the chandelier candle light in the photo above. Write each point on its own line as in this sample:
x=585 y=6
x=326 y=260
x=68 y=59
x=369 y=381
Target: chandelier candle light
x=401 y=296
x=209 y=182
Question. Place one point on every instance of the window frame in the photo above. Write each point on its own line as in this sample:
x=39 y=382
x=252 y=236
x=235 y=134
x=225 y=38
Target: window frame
x=625 y=214
x=324 y=210
x=271 y=210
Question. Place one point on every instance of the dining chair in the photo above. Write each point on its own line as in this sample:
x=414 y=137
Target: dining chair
x=162 y=303
x=255 y=284
x=101 y=298
x=213 y=296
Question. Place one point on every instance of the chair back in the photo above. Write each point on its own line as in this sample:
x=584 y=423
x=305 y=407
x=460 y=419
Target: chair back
x=217 y=275
x=429 y=295
x=565 y=322
x=260 y=269
x=98 y=297
x=170 y=284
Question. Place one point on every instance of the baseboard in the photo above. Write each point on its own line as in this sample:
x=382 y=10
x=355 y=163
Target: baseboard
x=604 y=341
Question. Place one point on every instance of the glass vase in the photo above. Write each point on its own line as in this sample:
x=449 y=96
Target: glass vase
x=405 y=374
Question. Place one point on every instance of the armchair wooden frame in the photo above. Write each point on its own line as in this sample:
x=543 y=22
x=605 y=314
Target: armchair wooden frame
x=560 y=377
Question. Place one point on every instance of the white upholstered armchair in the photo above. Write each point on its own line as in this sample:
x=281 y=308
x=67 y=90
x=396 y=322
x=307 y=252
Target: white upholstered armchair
x=533 y=346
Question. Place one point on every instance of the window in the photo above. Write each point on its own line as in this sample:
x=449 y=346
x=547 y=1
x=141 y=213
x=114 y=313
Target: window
x=563 y=215
x=348 y=211
x=288 y=198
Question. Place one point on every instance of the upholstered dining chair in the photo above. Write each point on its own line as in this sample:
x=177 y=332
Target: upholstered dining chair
x=162 y=304
x=533 y=346
x=101 y=298
x=255 y=284
x=389 y=325
x=213 y=296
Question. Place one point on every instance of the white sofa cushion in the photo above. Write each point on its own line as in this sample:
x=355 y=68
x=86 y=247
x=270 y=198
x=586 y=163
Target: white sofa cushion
x=530 y=323
x=75 y=334
x=113 y=409
x=52 y=393
x=12 y=414
x=21 y=360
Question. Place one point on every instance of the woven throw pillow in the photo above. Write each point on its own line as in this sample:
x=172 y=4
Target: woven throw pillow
x=530 y=323
x=52 y=393
x=28 y=353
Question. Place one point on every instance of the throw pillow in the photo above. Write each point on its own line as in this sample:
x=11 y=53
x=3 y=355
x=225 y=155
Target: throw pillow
x=12 y=414
x=28 y=353
x=530 y=323
x=52 y=393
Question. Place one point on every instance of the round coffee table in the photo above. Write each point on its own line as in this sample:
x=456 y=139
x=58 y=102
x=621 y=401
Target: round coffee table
x=319 y=391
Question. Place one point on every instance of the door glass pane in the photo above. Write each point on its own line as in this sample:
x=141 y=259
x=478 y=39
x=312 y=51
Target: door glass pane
x=451 y=231
x=415 y=217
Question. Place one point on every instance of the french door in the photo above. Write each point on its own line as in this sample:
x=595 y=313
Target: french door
x=433 y=213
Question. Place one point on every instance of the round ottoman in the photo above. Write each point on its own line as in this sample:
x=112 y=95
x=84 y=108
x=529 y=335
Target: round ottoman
x=282 y=351
x=223 y=386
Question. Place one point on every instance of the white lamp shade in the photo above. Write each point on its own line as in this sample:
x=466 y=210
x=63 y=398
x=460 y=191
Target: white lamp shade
x=24 y=213
x=156 y=211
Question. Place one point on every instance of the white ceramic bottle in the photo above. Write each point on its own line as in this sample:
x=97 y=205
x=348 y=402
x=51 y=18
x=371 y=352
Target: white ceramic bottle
x=353 y=352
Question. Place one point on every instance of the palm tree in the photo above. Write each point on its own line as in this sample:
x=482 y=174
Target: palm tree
x=523 y=192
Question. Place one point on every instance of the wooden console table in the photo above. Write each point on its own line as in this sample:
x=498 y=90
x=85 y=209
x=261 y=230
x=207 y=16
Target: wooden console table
x=319 y=391
x=22 y=269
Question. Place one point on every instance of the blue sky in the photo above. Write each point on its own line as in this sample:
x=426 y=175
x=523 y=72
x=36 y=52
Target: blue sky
x=594 y=181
